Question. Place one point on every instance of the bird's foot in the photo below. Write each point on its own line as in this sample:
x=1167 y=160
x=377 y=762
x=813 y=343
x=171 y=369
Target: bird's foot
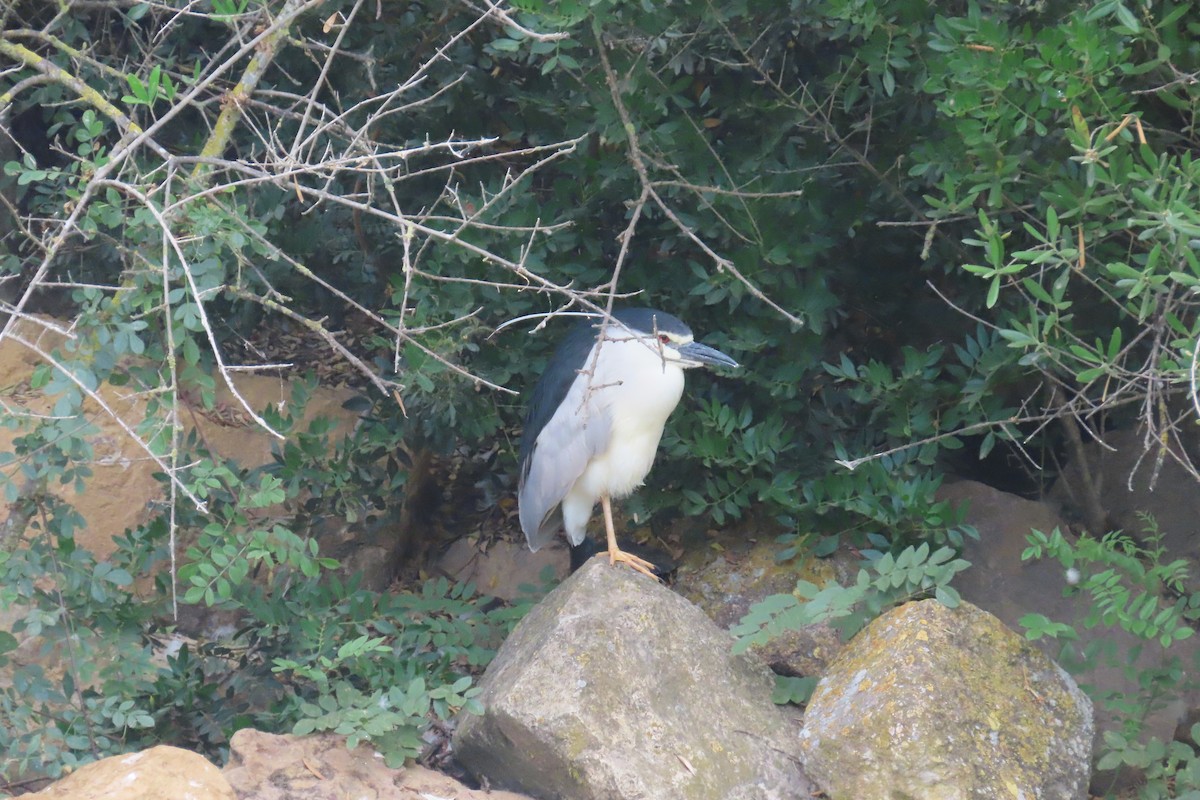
x=641 y=565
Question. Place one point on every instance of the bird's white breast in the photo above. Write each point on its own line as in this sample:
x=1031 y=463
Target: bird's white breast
x=638 y=404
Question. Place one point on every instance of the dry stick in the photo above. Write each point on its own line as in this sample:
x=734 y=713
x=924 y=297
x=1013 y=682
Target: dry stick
x=1192 y=378
x=320 y=330
x=1153 y=414
x=173 y=391
x=265 y=51
x=1154 y=406
x=855 y=463
x=724 y=264
x=406 y=238
x=852 y=464
x=741 y=194
x=557 y=150
x=479 y=225
x=501 y=14
x=65 y=230
x=225 y=125
x=1046 y=374
x=122 y=151
x=397 y=220
x=1055 y=383
x=516 y=268
x=639 y=166
x=126 y=147
x=308 y=273
x=370 y=314
x=322 y=79
x=63 y=47
x=287 y=171
x=1179 y=452
x=611 y=292
x=86 y=93
x=413 y=80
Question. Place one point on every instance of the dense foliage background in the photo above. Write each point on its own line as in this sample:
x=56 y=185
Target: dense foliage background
x=941 y=237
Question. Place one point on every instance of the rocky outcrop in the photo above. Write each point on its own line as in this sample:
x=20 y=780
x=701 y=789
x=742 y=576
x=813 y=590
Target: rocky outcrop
x=160 y=773
x=262 y=766
x=267 y=766
x=614 y=686
x=937 y=703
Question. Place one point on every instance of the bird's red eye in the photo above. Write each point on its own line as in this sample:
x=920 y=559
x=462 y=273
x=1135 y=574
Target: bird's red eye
x=662 y=337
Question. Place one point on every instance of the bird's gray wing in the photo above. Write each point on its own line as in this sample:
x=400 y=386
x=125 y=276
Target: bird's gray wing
x=575 y=433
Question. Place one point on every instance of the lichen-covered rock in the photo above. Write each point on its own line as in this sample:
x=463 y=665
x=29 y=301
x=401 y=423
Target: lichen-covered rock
x=614 y=686
x=943 y=704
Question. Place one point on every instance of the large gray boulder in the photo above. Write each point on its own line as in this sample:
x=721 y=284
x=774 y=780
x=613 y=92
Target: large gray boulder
x=614 y=686
x=945 y=704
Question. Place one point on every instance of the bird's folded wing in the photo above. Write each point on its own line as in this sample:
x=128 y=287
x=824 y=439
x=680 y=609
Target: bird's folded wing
x=577 y=432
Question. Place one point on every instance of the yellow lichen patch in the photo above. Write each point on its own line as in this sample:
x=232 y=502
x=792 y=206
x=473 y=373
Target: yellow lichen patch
x=929 y=695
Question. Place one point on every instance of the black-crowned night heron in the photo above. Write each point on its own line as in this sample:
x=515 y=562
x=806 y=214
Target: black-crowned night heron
x=595 y=419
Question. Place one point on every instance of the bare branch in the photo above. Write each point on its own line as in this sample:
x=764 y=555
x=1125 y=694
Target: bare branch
x=638 y=162
x=86 y=93
x=505 y=17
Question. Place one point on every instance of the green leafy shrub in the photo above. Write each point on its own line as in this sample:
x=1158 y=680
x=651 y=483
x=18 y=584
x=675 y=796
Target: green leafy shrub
x=304 y=650
x=930 y=235
x=1127 y=582
x=1076 y=173
x=884 y=582
x=1132 y=588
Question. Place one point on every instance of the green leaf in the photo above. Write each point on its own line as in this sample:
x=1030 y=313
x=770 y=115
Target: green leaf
x=1127 y=18
x=889 y=83
x=947 y=596
x=1114 y=345
x=140 y=93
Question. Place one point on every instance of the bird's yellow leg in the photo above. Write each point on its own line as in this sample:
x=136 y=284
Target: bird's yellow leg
x=615 y=553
